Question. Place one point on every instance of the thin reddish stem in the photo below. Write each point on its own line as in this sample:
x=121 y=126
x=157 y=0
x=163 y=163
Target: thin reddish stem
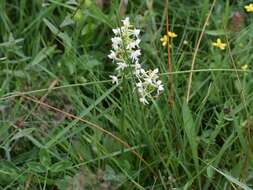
x=170 y=69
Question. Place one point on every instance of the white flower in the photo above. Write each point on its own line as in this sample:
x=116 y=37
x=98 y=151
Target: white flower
x=112 y=55
x=137 y=72
x=139 y=84
x=143 y=100
x=156 y=71
x=153 y=75
x=116 y=41
x=140 y=88
x=134 y=44
x=131 y=45
x=137 y=69
x=135 y=54
x=116 y=31
x=121 y=66
x=141 y=91
x=114 y=79
x=160 y=88
x=159 y=82
x=126 y=22
x=136 y=32
x=143 y=71
x=137 y=42
x=137 y=66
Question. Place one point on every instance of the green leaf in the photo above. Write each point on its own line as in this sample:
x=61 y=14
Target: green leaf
x=63 y=184
x=45 y=158
x=4 y=129
x=23 y=133
x=64 y=36
x=36 y=167
x=7 y=167
x=209 y=171
x=190 y=130
x=90 y=61
x=232 y=179
x=215 y=32
x=99 y=16
x=15 y=73
x=43 y=54
x=67 y=21
x=8 y=172
x=60 y=166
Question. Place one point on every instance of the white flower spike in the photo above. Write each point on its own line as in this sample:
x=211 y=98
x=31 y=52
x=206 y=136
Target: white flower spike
x=126 y=54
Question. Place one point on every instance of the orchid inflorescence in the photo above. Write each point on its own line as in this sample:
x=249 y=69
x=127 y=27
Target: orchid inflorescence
x=126 y=53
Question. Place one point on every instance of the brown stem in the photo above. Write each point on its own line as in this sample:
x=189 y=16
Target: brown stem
x=170 y=69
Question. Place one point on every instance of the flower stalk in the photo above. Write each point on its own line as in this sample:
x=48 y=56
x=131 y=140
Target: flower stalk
x=170 y=69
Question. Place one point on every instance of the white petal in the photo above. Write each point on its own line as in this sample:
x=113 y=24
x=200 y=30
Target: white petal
x=116 y=31
x=139 y=84
x=136 y=32
x=114 y=79
x=121 y=66
x=159 y=82
x=126 y=22
x=143 y=100
x=112 y=55
x=156 y=71
x=160 y=88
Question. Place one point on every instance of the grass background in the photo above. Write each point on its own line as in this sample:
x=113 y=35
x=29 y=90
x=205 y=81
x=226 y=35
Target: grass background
x=70 y=128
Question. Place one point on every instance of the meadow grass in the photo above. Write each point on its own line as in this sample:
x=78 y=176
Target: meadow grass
x=65 y=126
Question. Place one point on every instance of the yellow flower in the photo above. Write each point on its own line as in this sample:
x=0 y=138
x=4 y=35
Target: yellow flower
x=244 y=67
x=219 y=44
x=249 y=8
x=172 y=34
x=164 y=40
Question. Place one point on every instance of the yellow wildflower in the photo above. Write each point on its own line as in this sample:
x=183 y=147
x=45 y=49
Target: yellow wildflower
x=219 y=44
x=249 y=8
x=244 y=67
x=172 y=35
x=164 y=40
